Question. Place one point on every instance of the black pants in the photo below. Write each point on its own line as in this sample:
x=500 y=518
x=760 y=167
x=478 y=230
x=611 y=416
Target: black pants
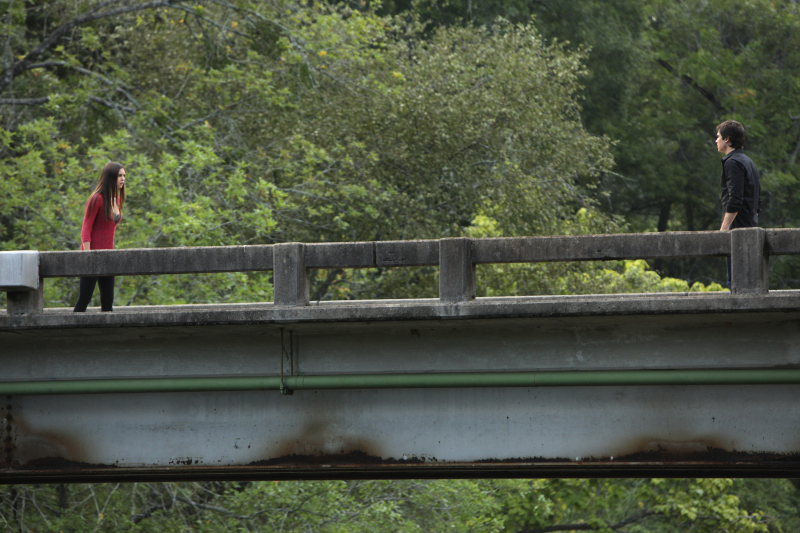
x=106 y=284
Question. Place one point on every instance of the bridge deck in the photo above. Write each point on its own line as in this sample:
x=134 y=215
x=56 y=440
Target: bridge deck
x=394 y=401
x=420 y=309
x=674 y=430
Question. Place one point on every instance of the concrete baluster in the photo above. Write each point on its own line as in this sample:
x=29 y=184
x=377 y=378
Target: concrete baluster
x=290 y=275
x=26 y=302
x=749 y=261
x=456 y=270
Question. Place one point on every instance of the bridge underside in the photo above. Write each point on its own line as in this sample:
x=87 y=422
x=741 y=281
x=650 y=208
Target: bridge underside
x=622 y=431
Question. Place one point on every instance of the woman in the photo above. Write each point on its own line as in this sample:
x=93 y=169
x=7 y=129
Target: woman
x=103 y=213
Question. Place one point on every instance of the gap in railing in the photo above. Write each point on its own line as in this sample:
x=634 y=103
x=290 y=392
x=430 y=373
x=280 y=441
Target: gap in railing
x=374 y=283
x=176 y=289
x=63 y=292
x=706 y=270
x=168 y=289
x=583 y=278
x=250 y=287
x=782 y=272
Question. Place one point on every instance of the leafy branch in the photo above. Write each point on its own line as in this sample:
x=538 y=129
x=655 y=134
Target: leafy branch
x=592 y=527
x=48 y=42
x=688 y=80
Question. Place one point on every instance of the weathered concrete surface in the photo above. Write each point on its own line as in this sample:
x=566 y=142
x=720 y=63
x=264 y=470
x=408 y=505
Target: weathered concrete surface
x=604 y=247
x=576 y=431
x=783 y=241
x=726 y=340
x=570 y=431
x=432 y=432
x=291 y=279
x=420 y=309
x=19 y=303
x=340 y=255
x=456 y=259
x=749 y=261
x=456 y=270
x=149 y=261
x=406 y=253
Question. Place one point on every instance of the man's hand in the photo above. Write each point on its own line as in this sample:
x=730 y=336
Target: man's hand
x=727 y=221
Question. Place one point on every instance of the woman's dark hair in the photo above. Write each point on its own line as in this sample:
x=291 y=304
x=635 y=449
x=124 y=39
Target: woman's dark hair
x=733 y=131
x=107 y=187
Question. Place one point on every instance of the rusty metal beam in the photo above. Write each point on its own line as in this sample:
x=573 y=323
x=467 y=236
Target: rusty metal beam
x=577 y=429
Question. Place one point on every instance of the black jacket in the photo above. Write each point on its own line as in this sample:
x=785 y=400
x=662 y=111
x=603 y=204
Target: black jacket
x=741 y=190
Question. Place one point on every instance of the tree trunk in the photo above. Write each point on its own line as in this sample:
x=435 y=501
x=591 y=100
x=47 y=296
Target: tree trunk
x=663 y=217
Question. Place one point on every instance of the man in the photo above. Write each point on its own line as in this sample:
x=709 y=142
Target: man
x=741 y=191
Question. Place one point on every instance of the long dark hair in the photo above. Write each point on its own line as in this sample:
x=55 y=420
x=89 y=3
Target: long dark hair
x=107 y=188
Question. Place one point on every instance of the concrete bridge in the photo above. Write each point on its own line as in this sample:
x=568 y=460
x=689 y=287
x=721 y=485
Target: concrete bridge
x=674 y=384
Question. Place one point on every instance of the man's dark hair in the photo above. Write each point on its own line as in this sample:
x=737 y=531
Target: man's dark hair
x=733 y=131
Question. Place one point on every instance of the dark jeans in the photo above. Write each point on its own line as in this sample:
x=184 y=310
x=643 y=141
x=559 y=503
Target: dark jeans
x=728 y=262
x=106 y=284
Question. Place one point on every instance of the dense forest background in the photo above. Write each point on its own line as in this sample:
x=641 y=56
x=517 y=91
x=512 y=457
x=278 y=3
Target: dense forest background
x=246 y=122
x=261 y=122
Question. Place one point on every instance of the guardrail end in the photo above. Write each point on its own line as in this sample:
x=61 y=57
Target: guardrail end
x=19 y=277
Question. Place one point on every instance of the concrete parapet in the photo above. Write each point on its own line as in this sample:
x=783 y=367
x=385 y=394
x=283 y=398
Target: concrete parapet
x=150 y=261
x=749 y=261
x=601 y=247
x=340 y=255
x=456 y=270
x=783 y=241
x=290 y=278
x=406 y=253
x=749 y=248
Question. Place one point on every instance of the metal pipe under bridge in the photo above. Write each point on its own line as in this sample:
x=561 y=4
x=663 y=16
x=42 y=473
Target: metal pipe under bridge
x=672 y=384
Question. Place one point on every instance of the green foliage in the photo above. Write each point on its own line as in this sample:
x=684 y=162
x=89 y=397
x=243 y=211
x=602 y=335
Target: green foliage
x=269 y=122
x=778 y=500
x=660 y=76
x=322 y=506
x=702 y=505
x=183 y=202
x=706 y=62
x=610 y=277
x=263 y=124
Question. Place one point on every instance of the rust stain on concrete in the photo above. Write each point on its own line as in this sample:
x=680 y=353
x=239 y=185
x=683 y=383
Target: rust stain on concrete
x=21 y=446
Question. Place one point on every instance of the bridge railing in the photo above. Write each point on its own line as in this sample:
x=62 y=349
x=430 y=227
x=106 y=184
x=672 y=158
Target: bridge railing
x=22 y=273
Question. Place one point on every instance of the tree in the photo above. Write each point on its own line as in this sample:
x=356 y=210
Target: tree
x=517 y=506
x=705 y=63
x=257 y=124
x=631 y=505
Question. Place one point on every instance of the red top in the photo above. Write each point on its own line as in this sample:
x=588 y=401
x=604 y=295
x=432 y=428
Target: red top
x=97 y=229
